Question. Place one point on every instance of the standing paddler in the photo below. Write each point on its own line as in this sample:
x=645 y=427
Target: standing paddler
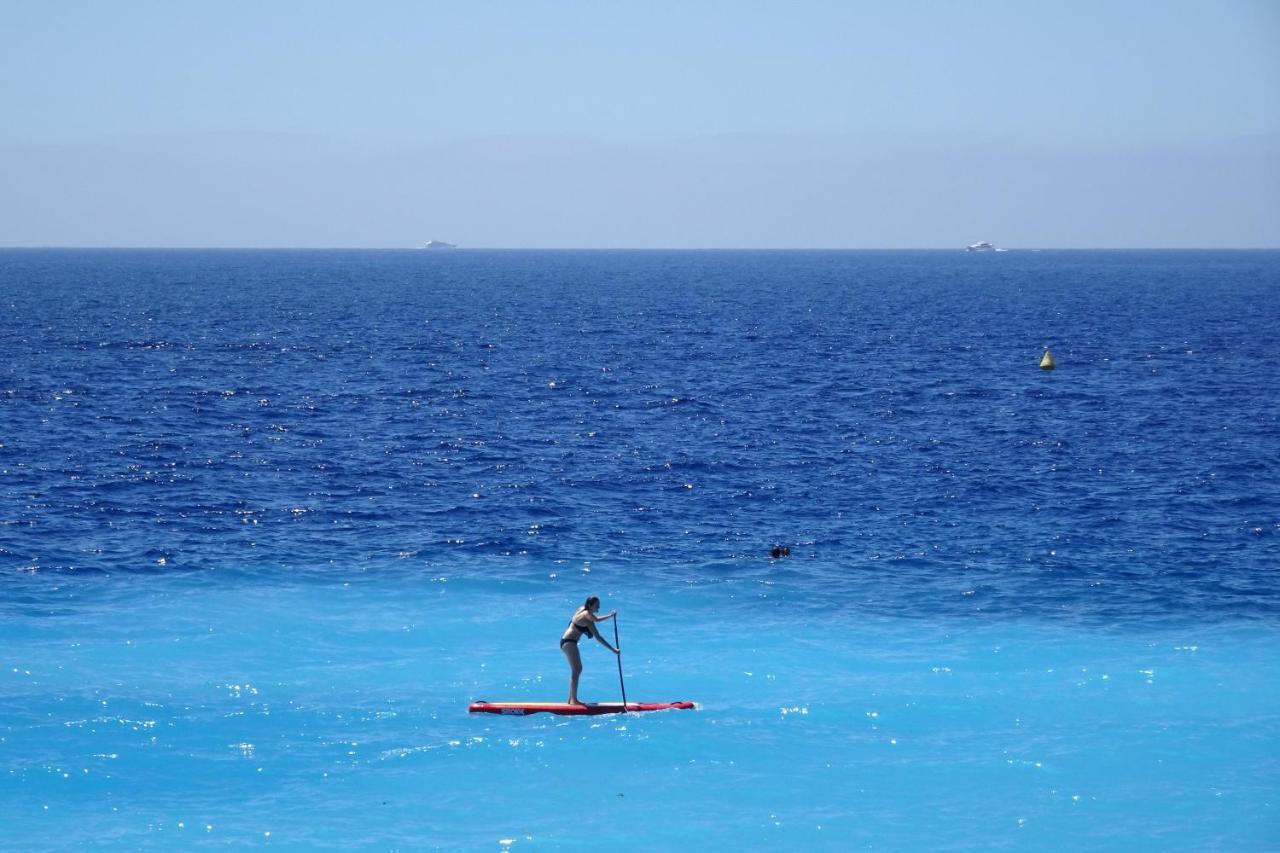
x=583 y=622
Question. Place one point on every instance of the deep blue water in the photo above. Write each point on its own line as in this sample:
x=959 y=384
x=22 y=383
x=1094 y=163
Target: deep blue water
x=371 y=486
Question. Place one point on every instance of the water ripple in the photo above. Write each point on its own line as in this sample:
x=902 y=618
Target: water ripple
x=671 y=413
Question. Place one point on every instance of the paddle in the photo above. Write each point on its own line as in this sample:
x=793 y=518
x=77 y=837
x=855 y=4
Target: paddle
x=617 y=646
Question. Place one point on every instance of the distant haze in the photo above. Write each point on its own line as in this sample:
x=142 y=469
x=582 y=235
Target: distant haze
x=822 y=125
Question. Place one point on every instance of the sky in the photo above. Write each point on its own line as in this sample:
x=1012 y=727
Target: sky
x=627 y=125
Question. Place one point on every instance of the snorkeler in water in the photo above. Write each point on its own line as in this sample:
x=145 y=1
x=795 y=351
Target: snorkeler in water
x=583 y=622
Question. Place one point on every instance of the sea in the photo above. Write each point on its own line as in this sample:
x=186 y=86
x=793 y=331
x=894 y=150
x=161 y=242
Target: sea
x=271 y=520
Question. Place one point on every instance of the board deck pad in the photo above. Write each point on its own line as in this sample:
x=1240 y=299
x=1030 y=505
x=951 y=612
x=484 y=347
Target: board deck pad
x=522 y=709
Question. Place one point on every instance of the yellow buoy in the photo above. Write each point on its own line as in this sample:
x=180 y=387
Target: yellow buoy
x=1046 y=363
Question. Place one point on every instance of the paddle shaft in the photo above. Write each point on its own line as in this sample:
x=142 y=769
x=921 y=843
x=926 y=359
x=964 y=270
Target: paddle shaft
x=617 y=646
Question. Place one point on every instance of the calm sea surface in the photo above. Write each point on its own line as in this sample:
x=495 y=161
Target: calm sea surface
x=270 y=520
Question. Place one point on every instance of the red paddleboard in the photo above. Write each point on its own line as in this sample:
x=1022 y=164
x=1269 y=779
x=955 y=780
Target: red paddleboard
x=522 y=709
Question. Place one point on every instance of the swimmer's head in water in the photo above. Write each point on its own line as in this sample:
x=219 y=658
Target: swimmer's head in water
x=592 y=604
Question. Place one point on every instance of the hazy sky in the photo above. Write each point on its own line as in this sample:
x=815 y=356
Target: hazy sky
x=607 y=124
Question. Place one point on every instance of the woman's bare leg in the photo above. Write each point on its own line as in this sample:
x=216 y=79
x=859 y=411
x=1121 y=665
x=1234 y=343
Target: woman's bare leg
x=575 y=669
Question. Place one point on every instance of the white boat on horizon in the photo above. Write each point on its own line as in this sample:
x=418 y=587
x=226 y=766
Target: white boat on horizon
x=982 y=246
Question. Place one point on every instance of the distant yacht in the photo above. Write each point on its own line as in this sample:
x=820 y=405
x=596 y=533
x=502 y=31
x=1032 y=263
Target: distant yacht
x=980 y=247
x=439 y=244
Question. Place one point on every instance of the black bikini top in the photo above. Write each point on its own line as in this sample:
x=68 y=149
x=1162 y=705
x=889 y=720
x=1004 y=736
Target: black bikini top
x=582 y=629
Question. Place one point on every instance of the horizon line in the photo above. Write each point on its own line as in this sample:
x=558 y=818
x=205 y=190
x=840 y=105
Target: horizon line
x=459 y=248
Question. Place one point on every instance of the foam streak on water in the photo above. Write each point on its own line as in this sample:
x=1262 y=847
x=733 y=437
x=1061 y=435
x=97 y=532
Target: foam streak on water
x=269 y=520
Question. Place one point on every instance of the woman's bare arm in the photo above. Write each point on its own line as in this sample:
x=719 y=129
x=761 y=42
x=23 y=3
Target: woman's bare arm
x=605 y=643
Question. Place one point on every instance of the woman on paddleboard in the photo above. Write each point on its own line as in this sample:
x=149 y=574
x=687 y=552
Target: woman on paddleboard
x=583 y=623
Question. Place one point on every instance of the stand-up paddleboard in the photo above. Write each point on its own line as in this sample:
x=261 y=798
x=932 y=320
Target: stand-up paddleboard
x=522 y=709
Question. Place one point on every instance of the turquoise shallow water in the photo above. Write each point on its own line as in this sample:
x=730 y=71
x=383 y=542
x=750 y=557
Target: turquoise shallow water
x=332 y=714
x=269 y=521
